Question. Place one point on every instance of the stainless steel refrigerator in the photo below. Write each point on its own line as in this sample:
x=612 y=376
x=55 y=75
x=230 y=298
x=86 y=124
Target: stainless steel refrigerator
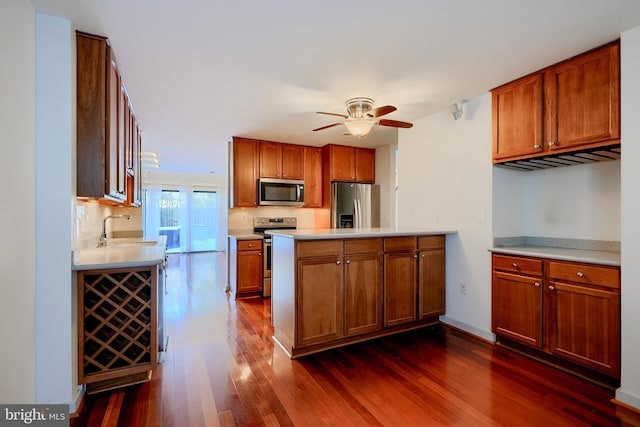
x=355 y=205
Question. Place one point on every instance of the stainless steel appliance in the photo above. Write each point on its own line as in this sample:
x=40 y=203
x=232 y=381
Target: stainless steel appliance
x=260 y=225
x=355 y=205
x=280 y=192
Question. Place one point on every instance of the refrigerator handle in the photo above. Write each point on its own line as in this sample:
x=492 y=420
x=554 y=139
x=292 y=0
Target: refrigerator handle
x=356 y=213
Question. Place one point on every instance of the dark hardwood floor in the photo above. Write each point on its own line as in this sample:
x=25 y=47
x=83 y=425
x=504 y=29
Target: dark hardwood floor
x=222 y=369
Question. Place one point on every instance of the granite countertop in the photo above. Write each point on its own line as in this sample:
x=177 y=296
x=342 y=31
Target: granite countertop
x=351 y=233
x=121 y=253
x=563 y=254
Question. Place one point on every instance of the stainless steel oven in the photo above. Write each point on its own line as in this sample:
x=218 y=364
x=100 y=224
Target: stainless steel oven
x=260 y=225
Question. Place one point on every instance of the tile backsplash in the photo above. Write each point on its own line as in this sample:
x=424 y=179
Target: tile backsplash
x=242 y=218
x=89 y=218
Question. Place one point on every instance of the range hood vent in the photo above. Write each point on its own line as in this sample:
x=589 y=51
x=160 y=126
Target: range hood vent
x=600 y=154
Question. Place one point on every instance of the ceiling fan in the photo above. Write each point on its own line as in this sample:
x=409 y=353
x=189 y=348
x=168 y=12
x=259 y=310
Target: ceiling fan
x=361 y=116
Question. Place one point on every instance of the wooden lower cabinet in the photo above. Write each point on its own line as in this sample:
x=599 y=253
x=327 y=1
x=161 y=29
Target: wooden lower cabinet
x=349 y=290
x=431 y=276
x=117 y=326
x=245 y=267
x=565 y=309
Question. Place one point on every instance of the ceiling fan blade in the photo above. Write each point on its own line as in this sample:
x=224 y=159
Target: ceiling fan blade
x=395 y=123
x=333 y=114
x=328 y=126
x=381 y=111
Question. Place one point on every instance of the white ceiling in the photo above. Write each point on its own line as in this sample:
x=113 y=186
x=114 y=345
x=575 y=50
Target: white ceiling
x=201 y=71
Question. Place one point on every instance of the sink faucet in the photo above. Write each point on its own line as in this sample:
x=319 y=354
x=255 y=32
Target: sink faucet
x=103 y=237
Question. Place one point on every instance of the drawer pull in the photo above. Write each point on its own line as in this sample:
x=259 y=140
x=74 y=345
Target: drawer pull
x=337 y=262
x=551 y=288
x=514 y=265
x=537 y=285
x=536 y=147
x=580 y=274
x=348 y=261
x=552 y=143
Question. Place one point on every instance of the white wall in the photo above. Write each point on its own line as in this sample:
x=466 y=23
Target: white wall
x=445 y=177
x=629 y=391
x=386 y=179
x=17 y=227
x=56 y=343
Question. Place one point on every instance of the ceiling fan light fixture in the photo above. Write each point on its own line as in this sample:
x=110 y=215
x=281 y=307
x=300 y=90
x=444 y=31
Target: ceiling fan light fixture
x=359 y=107
x=359 y=127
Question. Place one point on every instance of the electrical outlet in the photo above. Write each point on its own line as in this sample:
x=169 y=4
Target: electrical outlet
x=463 y=288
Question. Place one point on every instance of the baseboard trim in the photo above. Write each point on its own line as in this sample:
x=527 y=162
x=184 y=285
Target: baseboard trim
x=627 y=400
x=472 y=330
x=75 y=406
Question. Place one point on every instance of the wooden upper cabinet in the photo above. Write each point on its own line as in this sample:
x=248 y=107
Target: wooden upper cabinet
x=312 y=177
x=583 y=100
x=350 y=164
x=245 y=172
x=292 y=161
x=517 y=118
x=573 y=105
x=270 y=159
x=281 y=161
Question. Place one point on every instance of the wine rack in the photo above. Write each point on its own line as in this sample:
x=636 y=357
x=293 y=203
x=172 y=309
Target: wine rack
x=117 y=322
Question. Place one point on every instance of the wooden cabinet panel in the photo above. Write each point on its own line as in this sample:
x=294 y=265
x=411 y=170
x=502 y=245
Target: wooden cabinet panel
x=587 y=326
x=270 y=159
x=245 y=172
x=249 y=273
x=342 y=163
x=406 y=243
x=515 y=264
x=249 y=245
x=363 y=293
x=320 y=296
x=583 y=99
x=585 y=274
x=431 y=282
x=518 y=118
x=365 y=165
x=312 y=177
x=315 y=248
x=399 y=288
x=293 y=162
x=362 y=246
x=517 y=307
x=431 y=242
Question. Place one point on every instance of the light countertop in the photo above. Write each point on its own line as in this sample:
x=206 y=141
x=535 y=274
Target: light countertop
x=352 y=233
x=244 y=235
x=563 y=254
x=121 y=253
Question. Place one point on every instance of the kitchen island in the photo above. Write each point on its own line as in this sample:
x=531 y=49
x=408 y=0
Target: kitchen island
x=333 y=287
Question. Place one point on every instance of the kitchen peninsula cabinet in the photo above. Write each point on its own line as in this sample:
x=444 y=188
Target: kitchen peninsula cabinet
x=568 y=107
x=244 y=173
x=431 y=276
x=312 y=177
x=568 y=310
x=335 y=287
x=108 y=151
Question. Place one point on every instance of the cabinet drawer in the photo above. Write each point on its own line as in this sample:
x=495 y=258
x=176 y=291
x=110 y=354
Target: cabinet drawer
x=585 y=273
x=395 y=244
x=314 y=248
x=362 y=246
x=515 y=264
x=430 y=242
x=249 y=245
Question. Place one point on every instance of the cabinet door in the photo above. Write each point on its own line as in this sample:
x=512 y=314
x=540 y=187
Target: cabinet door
x=312 y=177
x=292 y=161
x=365 y=159
x=399 y=288
x=342 y=163
x=270 y=159
x=245 y=173
x=124 y=123
x=518 y=118
x=582 y=98
x=363 y=293
x=249 y=276
x=113 y=184
x=320 y=297
x=585 y=326
x=517 y=308
x=431 y=283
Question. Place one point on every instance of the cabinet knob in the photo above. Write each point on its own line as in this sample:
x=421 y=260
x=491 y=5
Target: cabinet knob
x=551 y=288
x=415 y=256
x=552 y=143
x=580 y=274
x=338 y=262
x=537 y=285
x=537 y=146
x=250 y=245
x=514 y=265
x=348 y=261
x=260 y=253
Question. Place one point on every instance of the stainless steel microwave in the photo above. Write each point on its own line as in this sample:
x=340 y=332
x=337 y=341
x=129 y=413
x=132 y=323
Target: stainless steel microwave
x=280 y=192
